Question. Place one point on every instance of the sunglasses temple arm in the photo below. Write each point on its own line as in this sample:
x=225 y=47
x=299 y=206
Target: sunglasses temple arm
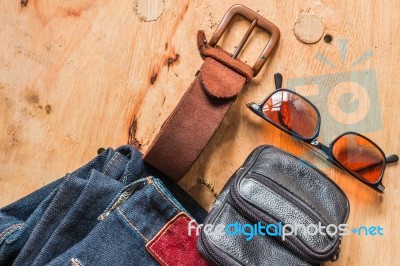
x=278 y=81
x=392 y=159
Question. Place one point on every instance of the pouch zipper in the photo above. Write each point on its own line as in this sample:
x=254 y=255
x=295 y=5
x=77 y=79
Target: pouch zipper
x=289 y=244
x=292 y=199
x=209 y=253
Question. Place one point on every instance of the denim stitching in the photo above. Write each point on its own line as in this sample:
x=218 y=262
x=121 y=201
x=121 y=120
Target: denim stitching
x=154 y=253
x=134 y=227
x=162 y=234
x=76 y=262
x=9 y=231
x=160 y=258
x=166 y=198
x=128 y=173
x=110 y=163
x=121 y=197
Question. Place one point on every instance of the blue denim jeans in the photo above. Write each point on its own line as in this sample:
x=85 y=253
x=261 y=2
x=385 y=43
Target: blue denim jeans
x=102 y=214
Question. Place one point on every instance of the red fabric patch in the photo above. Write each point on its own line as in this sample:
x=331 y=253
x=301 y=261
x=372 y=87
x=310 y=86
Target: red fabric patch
x=173 y=246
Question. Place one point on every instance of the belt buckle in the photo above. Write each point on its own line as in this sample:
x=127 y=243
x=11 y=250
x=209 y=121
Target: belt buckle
x=257 y=20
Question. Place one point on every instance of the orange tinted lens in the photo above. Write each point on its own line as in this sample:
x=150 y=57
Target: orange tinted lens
x=292 y=112
x=361 y=156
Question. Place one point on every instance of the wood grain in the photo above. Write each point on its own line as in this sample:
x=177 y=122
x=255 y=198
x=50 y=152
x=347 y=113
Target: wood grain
x=79 y=75
x=309 y=28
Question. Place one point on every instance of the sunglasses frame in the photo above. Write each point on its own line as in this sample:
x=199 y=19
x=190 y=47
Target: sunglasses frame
x=325 y=151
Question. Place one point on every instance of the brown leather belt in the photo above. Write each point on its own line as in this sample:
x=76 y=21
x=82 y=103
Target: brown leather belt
x=197 y=116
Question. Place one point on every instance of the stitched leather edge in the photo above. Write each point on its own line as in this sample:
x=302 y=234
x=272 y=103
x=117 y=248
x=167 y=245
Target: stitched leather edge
x=161 y=233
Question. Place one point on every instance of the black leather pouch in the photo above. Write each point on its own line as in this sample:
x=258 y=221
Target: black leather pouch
x=270 y=195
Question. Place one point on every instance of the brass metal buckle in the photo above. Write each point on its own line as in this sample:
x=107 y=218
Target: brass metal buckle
x=256 y=20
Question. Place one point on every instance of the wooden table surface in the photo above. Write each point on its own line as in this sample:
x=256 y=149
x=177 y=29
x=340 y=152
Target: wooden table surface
x=83 y=74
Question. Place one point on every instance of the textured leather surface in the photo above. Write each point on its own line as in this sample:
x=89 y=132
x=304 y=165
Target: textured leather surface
x=303 y=180
x=218 y=74
x=276 y=185
x=258 y=251
x=167 y=245
x=282 y=210
x=197 y=116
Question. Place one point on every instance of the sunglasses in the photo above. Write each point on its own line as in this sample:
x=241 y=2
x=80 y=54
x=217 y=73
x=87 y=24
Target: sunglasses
x=352 y=152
